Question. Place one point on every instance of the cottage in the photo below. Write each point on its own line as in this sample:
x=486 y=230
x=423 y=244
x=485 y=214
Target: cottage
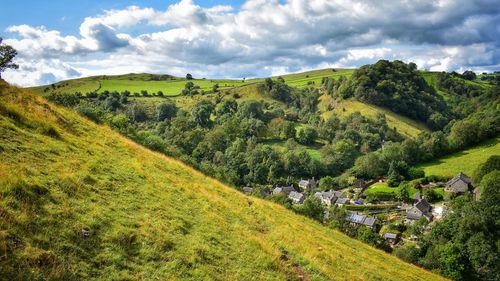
x=362 y=220
x=307 y=185
x=460 y=184
x=283 y=189
x=421 y=208
x=247 y=189
x=265 y=192
x=296 y=197
x=391 y=238
x=342 y=201
x=326 y=197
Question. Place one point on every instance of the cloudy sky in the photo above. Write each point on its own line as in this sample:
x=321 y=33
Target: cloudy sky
x=217 y=38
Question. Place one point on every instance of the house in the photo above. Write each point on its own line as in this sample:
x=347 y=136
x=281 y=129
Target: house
x=296 y=197
x=331 y=197
x=326 y=197
x=362 y=220
x=247 y=189
x=307 y=185
x=283 y=189
x=391 y=238
x=460 y=184
x=421 y=208
x=265 y=192
x=342 y=201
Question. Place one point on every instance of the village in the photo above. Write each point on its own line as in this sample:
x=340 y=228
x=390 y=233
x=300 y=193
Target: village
x=393 y=221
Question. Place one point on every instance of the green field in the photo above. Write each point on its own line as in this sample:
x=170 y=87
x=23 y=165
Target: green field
x=382 y=187
x=404 y=125
x=313 y=150
x=78 y=201
x=464 y=161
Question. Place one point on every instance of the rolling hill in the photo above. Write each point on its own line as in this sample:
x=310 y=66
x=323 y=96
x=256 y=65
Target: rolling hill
x=464 y=161
x=79 y=201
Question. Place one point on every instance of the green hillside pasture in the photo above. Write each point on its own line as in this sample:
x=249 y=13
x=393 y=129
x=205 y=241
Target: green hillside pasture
x=80 y=202
x=404 y=125
x=279 y=145
x=168 y=87
x=464 y=161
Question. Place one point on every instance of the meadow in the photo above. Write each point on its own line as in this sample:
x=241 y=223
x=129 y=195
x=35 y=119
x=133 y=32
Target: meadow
x=78 y=201
x=464 y=161
x=404 y=125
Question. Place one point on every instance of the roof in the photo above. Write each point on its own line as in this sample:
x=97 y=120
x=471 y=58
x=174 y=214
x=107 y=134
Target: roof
x=423 y=205
x=390 y=236
x=356 y=218
x=342 y=201
x=296 y=195
x=307 y=183
x=459 y=183
x=369 y=221
x=247 y=189
x=283 y=189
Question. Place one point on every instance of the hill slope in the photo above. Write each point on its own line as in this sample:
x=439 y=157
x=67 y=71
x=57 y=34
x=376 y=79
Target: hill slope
x=78 y=201
x=464 y=161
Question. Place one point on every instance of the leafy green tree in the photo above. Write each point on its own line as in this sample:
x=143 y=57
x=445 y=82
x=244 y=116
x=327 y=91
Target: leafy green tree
x=288 y=130
x=7 y=54
x=369 y=166
x=312 y=208
x=201 y=113
x=226 y=107
x=431 y=195
x=327 y=183
x=491 y=164
x=189 y=76
x=166 y=110
x=307 y=135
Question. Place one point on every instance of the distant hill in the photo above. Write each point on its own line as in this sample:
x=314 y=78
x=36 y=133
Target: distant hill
x=79 y=201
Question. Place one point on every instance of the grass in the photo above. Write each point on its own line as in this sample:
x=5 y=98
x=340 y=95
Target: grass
x=85 y=203
x=313 y=150
x=404 y=125
x=382 y=187
x=464 y=161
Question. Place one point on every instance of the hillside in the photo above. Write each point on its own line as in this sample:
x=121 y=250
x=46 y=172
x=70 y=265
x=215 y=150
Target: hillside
x=78 y=201
x=404 y=125
x=464 y=161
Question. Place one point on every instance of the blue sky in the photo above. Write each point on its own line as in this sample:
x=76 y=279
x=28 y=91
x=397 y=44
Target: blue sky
x=58 y=40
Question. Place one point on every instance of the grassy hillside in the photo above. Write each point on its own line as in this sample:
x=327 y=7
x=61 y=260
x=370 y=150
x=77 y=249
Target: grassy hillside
x=464 y=161
x=78 y=201
x=404 y=125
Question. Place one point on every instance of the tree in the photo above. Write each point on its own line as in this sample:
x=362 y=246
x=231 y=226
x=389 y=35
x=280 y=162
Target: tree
x=312 y=208
x=7 y=54
x=469 y=75
x=288 y=130
x=201 y=113
x=189 y=76
x=327 y=183
x=307 y=135
x=166 y=110
x=215 y=88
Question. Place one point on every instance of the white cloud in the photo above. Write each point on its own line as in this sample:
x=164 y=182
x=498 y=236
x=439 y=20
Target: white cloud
x=265 y=37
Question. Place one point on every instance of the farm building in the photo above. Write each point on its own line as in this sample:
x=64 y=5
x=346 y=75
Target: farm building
x=460 y=184
x=308 y=185
x=283 y=189
x=421 y=208
x=296 y=197
x=331 y=197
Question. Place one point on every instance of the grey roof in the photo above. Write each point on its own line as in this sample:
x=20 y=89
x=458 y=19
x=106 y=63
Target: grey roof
x=247 y=189
x=459 y=183
x=338 y=194
x=342 y=201
x=369 y=221
x=296 y=197
x=390 y=236
x=307 y=183
x=423 y=205
x=283 y=189
x=356 y=218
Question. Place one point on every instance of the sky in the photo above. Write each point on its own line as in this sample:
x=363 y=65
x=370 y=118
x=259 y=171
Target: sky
x=58 y=40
